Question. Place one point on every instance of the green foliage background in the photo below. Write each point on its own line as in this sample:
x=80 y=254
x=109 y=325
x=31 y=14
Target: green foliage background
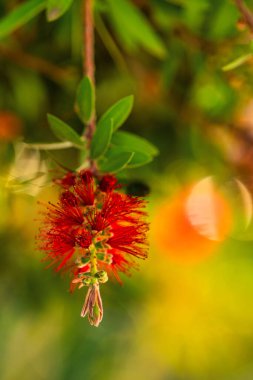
x=169 y=321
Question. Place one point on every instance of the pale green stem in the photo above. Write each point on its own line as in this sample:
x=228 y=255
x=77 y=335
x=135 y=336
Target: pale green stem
x=50 y=146
x=93 y=261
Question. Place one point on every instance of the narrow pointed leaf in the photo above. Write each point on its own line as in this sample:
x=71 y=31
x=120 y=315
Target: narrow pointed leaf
x=85 y=99
x=118 y=112
x=64 y=132
x=101 y=139
x=56 y=8
x=116 y=161
x=20 y=16
x=135 y=33
x=237 y=62
x=127 y=140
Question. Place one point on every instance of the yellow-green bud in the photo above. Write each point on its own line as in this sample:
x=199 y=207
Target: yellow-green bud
x=101 y=276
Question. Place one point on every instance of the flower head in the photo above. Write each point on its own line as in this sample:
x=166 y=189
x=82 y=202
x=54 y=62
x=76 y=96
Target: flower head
x=108 y=183
x=67 y=180
x=92 y=230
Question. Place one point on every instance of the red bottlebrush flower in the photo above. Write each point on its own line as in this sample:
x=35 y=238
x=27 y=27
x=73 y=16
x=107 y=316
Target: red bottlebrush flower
x=67 y=181
x=83 y=238
x=66 y=212
x=129 y=239
x=84 y=188
x=108 y=183
x=120 y=263
x=58 y=245
x=91 y=230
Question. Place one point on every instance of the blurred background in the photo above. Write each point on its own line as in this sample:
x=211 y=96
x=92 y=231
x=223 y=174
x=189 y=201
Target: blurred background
x=187 y=314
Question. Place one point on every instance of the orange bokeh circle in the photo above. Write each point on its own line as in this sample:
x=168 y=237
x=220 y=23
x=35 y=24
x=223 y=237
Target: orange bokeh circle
x=173 y=233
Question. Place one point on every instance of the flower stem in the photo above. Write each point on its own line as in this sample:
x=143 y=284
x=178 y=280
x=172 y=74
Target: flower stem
x=246 y=13
x=93 y=260
x=88 y=56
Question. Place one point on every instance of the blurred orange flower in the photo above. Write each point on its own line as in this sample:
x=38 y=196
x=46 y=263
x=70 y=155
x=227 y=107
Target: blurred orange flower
x=189 y=226
x=10 y=126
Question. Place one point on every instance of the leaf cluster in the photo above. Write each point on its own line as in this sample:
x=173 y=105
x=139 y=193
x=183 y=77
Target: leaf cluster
x=113 y=150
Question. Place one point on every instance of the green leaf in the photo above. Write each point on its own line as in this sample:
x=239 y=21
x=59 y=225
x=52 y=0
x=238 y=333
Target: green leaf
x=100 y=6
x=101 y=139
x=237 y=62
x=116 y=161
x=20 y=16
x=139 y=159
x=127 y=140
x=56 y=8
x=85 y=99
x=223 y=22
x=64 y=132
x=118 y=112
x=137 y=31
